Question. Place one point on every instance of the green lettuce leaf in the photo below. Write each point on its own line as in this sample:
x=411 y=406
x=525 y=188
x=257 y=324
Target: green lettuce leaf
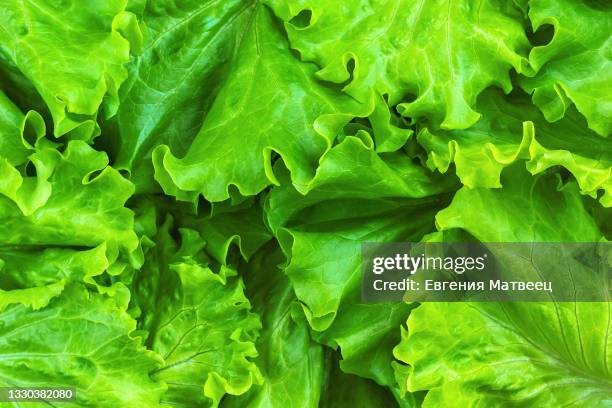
x=528 y=209
x=346 y=390
x=18 y=132
x=405 y=49
x=80 y=340
x=513 y=354
x=356 y=196
x=36 y=259
x=21 y=91
x=269 y=105
x=365 y=335
x=228 y=225
x=510 y=354
x=185 y=187
x=65 y=223
x=199 y=321
x=33 y=276
x=206 y=339
x=512 y=129
x=154 y=283
x=291 y=362
x=602 y=216
x=74 y=57
x=574 y=67
x=198 y=38
x=73 y=200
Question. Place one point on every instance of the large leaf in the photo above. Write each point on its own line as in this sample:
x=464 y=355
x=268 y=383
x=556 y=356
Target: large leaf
x=270 y=104
x=61 y=221
x=206 y=339
x=73 y=200
x=512 y=130
x=352 y=170
x=291 y=363
x=66 y=223
x=574 y=67
x=404 y=48
x=73 y=55
x=185 y=56
x=527 y=209
x=355 y=197
x=199 y=321
x=80 y=340
x=513 y=354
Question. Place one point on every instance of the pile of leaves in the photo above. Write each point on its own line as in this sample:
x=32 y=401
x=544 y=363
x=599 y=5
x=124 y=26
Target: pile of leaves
x=185 y=185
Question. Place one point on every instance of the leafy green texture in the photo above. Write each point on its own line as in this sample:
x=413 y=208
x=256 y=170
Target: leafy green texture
x=228 y=226
x=269 y=104
x=81 y=340
x=292 y=363
x=513 y=130
x=184 y=57
x=50 y=219
x=345 y=390
x=209 y=327
x=74 y=199
x=525 y=210
x=574 y=67
x=495 y=354
x=322 y=234
x=17 y=131
x=451 y=52
x=185 y=188
x=33 y=276
x=73 y=55
x=198 y=321
x=502 y=354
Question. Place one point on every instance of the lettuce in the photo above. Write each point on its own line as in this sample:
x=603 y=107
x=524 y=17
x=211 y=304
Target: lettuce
x=530 y=354
x=574 y=66
x=82 y=340
x=74 y=58
x=185 y=188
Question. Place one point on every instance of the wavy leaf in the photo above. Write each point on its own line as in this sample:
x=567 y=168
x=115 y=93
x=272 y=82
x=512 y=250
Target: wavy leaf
x=270 y=104
x=574 y=67
x=513 y=130
x=73 y=200
x=406 y=49
x=291 y=362
x=185 y=55
x=198 y=321
x=34 y=276
x=355 y=197
x=80 y=340
x=74 y=57
x=513 y=354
